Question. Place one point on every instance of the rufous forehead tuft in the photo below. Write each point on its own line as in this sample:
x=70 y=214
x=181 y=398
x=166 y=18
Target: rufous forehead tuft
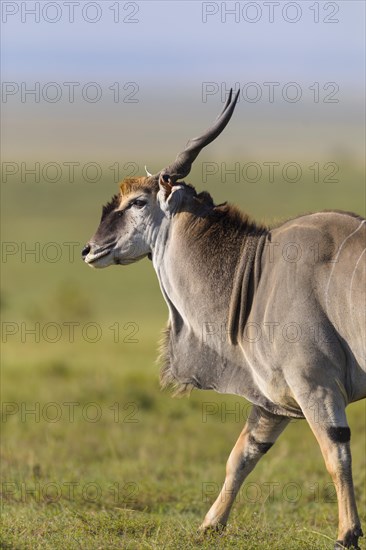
x=143 y=183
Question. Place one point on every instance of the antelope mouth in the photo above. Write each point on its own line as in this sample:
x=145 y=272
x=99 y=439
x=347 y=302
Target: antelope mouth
x=94 y=257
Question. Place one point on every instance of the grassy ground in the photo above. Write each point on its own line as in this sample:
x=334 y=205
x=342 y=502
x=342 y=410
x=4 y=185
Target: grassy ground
x=126 y=466
x=93 y=454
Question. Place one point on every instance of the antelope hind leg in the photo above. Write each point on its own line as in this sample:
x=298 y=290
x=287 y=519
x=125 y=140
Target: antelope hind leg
x=330 y=427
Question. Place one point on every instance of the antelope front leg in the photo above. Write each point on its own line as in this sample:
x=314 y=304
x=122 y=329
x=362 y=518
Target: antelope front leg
x=260 y=432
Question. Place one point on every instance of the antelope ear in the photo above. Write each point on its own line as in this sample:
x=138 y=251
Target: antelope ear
x=165 y=185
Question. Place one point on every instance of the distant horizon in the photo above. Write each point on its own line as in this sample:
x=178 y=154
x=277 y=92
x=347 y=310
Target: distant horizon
x=137 y=89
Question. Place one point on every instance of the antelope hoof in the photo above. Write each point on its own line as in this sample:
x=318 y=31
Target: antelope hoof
x=350 y=539
x=208 y=528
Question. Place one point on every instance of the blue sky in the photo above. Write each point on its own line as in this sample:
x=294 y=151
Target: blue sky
x=170 y=42
x=169 y=52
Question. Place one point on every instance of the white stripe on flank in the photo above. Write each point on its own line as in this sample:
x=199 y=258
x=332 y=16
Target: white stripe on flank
x=354 y=271
x=336 y=260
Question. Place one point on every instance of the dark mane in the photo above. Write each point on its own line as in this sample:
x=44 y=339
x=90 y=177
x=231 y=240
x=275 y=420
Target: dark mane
x=224 y=217
x=231 y=217
x=215 y=223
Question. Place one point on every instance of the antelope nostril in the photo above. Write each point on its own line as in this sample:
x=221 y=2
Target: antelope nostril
x=85 y=250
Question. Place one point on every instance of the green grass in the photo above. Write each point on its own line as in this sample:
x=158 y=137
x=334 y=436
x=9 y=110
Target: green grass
x=146 y=471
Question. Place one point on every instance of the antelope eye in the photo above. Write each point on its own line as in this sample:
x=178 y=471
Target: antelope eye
x=139 y=203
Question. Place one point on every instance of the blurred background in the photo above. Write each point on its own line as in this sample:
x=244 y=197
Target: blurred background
x=91 y=93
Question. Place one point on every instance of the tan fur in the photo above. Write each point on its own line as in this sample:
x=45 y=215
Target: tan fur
x=143 y=183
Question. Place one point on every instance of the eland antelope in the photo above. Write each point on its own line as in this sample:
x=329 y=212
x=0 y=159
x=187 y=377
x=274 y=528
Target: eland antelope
x=215 y=266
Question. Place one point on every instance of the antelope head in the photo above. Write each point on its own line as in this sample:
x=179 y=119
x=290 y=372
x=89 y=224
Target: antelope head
x=133 y=219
